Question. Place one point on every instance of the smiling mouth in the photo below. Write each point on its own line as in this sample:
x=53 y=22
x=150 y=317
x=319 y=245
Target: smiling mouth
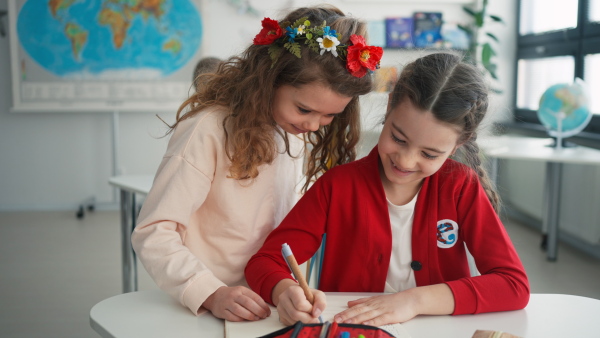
x=405 y=172
x=302 y=131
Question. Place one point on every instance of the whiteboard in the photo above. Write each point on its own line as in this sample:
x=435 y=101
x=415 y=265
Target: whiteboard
x=102 y=56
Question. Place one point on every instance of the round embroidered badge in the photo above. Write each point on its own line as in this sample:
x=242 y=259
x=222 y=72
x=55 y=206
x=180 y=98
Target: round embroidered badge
x=447 y=233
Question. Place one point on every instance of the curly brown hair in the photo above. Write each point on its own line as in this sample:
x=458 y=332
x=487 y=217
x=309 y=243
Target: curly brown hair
x=246 y=85
x=456 y=93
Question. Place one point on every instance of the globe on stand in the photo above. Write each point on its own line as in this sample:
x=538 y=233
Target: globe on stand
x=564 y=110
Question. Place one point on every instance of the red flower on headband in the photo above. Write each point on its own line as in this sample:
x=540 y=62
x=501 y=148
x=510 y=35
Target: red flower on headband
x=270 y=32
x=362 y=57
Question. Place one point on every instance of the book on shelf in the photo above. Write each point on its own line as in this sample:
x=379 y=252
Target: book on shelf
x=399 y=32
x=427 y=28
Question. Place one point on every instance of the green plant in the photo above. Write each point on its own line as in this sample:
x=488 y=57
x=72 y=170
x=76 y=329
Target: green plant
x=481 y=51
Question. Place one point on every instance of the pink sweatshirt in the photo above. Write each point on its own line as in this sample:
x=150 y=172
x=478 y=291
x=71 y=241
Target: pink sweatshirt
x=198 y=228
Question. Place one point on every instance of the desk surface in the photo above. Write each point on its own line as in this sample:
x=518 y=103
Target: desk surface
x=536 y=149
x=154 y=314
x=135 y=183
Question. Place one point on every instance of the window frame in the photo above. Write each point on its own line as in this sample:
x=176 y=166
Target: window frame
x=577 y=42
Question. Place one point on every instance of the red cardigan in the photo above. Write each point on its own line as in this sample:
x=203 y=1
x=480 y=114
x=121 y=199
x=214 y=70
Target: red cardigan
x=348 y=203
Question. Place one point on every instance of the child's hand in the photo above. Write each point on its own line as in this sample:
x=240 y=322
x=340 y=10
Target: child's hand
x=379 y=310
x=293 y=306
x=237 y=304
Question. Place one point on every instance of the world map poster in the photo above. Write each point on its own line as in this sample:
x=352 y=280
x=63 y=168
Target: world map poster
x=103 y=55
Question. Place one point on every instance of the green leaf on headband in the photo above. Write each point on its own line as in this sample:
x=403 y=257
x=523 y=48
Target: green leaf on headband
x=313 y=45
x=308 y=36
x=274 y=53
x=299 y=22
x=306 y=23
x=294 y=48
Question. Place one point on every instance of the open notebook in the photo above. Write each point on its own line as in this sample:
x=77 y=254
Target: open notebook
x=336 y=303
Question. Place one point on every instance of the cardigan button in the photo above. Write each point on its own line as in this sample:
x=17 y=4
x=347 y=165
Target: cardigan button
x=416 y=265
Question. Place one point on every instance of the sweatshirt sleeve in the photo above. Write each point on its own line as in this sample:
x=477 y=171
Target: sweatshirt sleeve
x=302 y=229
x=179 y=189
x=503 y=283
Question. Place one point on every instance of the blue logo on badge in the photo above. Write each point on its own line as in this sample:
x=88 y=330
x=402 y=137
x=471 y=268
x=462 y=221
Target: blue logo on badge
x=447 y=233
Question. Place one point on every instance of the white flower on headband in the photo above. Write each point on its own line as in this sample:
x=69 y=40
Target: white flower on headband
x=328 y=43
x=301 y=29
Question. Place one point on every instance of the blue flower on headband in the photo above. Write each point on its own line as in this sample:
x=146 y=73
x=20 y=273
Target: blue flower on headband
x=327 y=31
x=291 y=33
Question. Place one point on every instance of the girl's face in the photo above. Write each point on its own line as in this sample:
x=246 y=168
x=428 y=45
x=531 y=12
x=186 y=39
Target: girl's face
x=413 y=145
x=304 y=109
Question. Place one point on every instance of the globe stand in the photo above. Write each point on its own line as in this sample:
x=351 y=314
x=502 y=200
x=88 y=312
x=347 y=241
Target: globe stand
x=564 y=143
x=559 y=141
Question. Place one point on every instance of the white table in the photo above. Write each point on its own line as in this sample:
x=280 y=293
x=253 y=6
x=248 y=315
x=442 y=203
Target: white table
x=154 y=314
x=538 y=149
x=129 y=186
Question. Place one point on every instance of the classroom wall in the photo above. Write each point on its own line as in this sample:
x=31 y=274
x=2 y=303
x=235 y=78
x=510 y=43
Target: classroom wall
x=54 y=161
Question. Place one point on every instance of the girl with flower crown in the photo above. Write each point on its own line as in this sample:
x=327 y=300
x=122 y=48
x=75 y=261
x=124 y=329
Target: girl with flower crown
x=235 y=164
x=401 y=219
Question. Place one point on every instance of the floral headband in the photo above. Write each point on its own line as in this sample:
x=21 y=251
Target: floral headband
x=359 y=57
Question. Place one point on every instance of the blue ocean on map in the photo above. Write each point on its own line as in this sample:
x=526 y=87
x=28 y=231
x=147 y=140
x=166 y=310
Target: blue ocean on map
x=93 y=38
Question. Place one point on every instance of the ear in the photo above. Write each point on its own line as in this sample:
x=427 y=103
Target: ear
x=455 y=149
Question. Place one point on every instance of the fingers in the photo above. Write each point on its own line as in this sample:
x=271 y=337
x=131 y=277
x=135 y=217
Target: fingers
x=293 y=306
x=376 y=311
x=299 y=300
x=320 y=303
x=358 y=301
x=238 y=303
x=242 y=311
x=358 y=313
x=254 y=303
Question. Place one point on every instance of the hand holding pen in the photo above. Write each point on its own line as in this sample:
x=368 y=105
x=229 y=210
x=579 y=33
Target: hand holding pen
x=291 y=301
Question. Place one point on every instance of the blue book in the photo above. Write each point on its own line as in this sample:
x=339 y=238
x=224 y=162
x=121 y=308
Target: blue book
x=399 y=33
x=427 y=28
x=376 y=30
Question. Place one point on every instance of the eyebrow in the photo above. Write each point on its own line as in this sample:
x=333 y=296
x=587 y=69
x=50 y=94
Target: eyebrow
x=435 y=150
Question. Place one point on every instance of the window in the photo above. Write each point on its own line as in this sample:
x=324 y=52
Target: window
x=595 y=11
x=592 y=74
x=539 y=16
x=559 y=40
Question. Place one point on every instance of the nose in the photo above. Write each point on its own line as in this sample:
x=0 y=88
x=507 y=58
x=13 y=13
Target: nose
x=313 y=123
x=406 y=160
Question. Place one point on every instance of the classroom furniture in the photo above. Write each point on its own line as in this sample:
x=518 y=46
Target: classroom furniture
x=153 y=313
x=539 y=149
x=129 y=186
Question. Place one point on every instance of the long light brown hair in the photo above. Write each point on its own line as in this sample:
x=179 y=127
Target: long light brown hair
x=246 y=85
x=456 y=93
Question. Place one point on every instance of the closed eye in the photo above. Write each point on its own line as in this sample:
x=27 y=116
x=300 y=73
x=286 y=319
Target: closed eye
x=429 y=157
x=304 y=111
x=397 y=140
x=425 y=154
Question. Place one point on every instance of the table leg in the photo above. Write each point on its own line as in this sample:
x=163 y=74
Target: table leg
x=128 y=220
x=552 y=208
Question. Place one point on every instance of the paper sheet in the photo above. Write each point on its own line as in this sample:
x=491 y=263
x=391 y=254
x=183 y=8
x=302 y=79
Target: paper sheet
x=336 y=303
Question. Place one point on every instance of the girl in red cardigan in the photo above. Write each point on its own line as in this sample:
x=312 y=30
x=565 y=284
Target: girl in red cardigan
x=401 y=219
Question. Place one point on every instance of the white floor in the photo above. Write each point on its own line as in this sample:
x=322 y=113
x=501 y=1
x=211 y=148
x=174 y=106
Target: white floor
x=54 y=268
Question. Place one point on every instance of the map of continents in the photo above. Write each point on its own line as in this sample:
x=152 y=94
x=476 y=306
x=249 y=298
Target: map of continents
x=110 y=39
